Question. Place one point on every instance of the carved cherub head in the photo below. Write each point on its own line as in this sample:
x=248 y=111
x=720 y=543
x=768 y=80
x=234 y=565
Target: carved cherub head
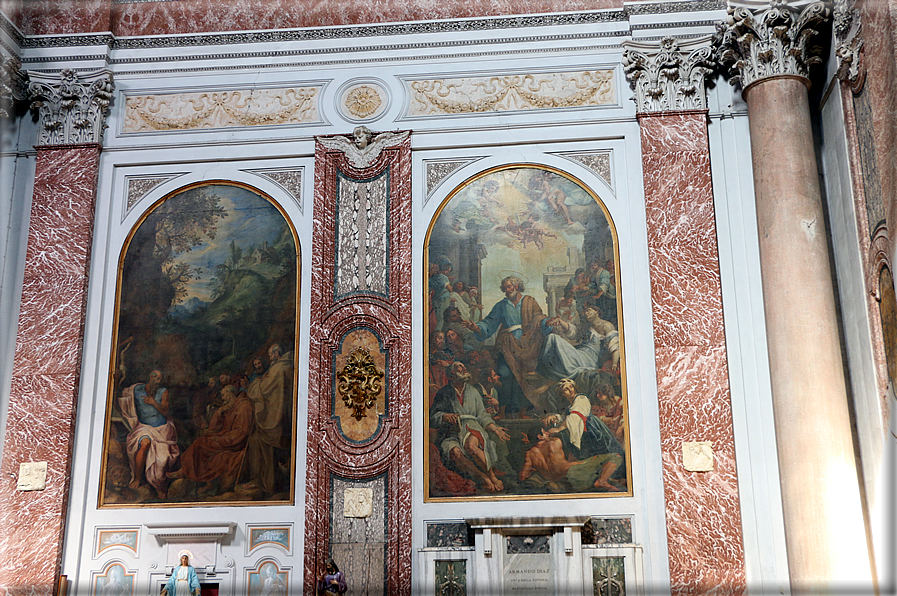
x=362 y=136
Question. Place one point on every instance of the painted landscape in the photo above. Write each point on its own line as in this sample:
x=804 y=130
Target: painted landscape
x=202 y=386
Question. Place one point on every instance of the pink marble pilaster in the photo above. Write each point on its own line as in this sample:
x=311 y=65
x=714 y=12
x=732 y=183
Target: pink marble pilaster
x=702 y=508
x=40 y=420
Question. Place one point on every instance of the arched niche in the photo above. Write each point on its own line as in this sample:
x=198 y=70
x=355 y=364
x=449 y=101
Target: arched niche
x=545 y=232
x=201 y=395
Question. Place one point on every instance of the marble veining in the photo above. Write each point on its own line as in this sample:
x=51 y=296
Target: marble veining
x=189 y=16
x=44 y=389
x=706 y=553
x=388 y=317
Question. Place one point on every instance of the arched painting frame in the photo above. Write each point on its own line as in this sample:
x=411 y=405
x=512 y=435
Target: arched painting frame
x=201 y=397
x=546 y=365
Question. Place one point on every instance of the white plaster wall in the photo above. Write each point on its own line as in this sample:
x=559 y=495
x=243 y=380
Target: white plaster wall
x=751 y=395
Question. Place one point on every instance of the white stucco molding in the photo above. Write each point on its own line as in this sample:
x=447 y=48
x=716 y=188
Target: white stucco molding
x=195 y=532
x=669 y=75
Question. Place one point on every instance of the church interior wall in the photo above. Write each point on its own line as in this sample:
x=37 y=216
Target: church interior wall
x=185 y=154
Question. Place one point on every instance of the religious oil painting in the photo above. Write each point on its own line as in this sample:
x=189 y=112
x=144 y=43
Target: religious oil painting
x=201 y=400
x=526 y=392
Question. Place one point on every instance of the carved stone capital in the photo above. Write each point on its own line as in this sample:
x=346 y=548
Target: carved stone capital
x=72 y=106
x=13 y=83
x=364 y=147
x=760 y=40
x=848 y=44
x=669 y=76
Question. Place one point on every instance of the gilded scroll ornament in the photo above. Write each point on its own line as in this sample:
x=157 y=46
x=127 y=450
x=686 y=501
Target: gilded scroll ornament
x=359 y=382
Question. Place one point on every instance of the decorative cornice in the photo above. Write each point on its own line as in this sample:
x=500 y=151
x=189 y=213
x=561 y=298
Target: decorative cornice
x=848 y=44
x=763 y=40
x=72 y=106
x=13 y=83
x=362 y=31
x=668 y=76
x=364 y=147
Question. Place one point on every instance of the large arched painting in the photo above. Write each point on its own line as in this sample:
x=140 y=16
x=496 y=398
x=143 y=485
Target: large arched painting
x=202 y=383
x=526 y=393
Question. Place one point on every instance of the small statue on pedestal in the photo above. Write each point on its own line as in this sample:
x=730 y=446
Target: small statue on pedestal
x=332 y=583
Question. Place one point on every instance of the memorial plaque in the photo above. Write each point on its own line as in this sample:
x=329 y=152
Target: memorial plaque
x=527 y=567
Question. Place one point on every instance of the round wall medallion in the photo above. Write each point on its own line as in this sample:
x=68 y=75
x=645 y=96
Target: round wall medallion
x=363 y=100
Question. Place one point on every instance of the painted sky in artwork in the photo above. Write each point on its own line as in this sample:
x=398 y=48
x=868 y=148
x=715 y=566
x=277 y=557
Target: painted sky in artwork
x=259 y=222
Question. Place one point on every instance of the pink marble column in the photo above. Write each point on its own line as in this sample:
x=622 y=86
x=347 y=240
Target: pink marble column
x=47 y=365
x=820 y=494
x=825 y=534
x=702 y=508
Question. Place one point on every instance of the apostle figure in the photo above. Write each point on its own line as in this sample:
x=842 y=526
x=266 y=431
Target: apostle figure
x=218 y=454
x=271 y=396
x=464 y=429
x=183 y=581
x=152 y=442
x=520 y=328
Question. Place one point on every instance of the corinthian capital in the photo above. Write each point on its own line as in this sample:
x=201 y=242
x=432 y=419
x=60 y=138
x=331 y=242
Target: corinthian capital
x=669 y=75
x=759 y=40
x=72 y=107
x=12 y=85
x=848 y=43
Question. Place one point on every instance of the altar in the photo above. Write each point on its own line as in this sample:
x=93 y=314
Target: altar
x=536 y=556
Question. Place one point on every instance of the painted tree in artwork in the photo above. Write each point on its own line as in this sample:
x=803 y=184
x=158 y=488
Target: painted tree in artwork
x=153 y=280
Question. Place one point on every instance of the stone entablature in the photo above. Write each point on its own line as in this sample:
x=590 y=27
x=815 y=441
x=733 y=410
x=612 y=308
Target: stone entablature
x=759 y=40
x=668 y=76
x=72 y=106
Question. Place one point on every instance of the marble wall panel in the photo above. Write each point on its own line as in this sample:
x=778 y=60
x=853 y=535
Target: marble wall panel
x=388 y=316
x=39 y=428
x=881 y=88
x=364 y=565
x=61 y=223
x=187 y=16
x=50 y=325
x=706 y=552
x=43 y=394
x=52 y=17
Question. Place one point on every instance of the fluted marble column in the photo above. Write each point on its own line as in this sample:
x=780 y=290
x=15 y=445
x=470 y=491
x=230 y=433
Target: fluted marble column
x=770 y=48
x=702 y=510
x=46 y=369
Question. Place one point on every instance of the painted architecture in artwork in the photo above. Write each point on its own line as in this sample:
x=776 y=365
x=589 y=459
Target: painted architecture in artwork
x=554 y=297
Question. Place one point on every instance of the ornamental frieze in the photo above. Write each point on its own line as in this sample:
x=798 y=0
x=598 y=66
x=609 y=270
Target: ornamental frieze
x=510 y=92
x=236 y=108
